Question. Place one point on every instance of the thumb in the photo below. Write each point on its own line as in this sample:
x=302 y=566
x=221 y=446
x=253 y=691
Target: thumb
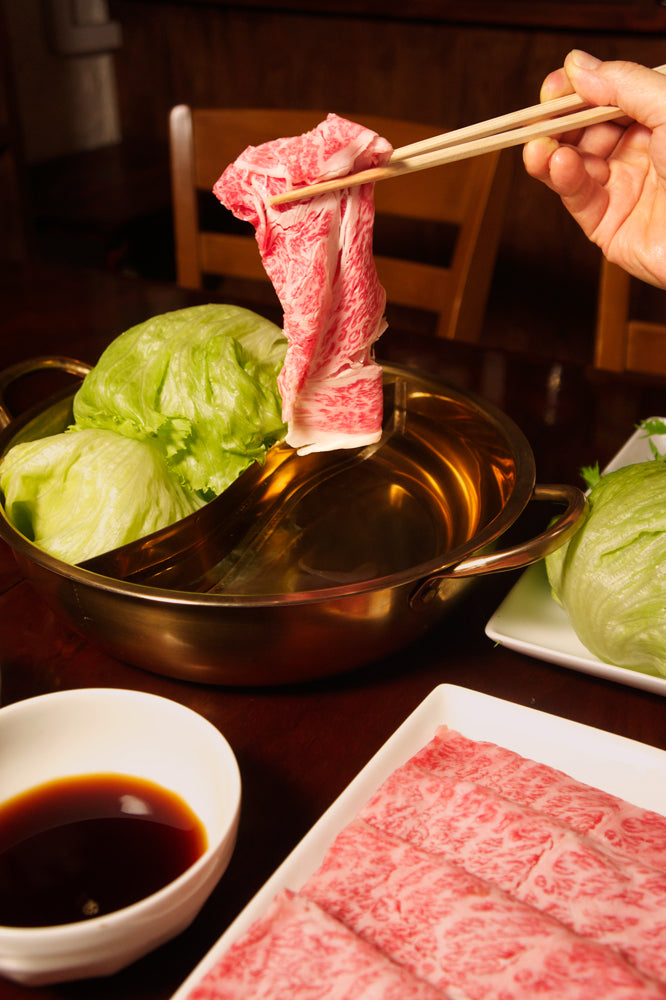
x=640 y=92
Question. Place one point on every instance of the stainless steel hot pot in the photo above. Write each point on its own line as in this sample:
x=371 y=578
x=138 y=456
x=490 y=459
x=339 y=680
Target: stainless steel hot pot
x=307 y=566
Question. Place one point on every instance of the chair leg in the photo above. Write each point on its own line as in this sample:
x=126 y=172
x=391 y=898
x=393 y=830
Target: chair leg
x=610 y=348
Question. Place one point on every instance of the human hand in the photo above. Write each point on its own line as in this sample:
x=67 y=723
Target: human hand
x=612 y=177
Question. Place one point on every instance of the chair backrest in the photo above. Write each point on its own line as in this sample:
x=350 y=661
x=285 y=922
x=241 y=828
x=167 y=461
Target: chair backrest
x=622 y=343
x=450 y=215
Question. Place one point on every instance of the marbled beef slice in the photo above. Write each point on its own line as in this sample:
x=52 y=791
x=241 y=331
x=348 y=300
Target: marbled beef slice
x=318 y=255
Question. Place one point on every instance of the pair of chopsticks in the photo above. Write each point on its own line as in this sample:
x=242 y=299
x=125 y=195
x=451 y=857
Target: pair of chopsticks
x=514 y=129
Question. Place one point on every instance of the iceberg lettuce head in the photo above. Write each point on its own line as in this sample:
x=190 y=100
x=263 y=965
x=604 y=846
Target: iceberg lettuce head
x=611 y=576
x=201 y=382
x=80 y=493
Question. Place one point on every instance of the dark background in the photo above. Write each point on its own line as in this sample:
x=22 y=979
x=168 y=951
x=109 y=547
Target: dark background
x=443 y=63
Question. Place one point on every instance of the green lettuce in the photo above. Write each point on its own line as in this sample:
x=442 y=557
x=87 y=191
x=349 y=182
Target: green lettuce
x=175 y=409
x=611 y=576
x=201 y=382
x=83 y=492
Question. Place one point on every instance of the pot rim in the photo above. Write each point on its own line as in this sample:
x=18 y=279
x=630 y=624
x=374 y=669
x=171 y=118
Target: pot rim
x=521 y=494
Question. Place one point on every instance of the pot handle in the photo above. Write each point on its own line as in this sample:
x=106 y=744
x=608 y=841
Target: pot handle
x=12 y=374
x=523 y=554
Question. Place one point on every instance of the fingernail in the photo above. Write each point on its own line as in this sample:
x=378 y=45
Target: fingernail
x=548 y=145
x=583 y=60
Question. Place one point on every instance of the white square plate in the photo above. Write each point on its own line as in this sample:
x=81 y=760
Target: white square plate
x=620 y=766
x=529 y=621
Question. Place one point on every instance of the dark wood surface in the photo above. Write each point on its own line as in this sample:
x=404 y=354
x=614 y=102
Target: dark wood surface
x=298 y=747
x=621 y=15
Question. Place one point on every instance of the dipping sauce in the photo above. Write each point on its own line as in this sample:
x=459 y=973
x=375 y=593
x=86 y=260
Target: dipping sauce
x=84 y=846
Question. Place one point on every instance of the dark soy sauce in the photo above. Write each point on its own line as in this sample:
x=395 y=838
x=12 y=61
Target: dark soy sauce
x=80 y=847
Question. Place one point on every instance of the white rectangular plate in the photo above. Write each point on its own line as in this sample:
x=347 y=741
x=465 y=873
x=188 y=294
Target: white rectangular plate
x=623 y=767
x=529 y=621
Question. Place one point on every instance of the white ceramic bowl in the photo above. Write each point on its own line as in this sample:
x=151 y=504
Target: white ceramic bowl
x=103 y=730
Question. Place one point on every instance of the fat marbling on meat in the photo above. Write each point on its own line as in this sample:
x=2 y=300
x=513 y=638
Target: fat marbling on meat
x=459 y=932
x=613 y=822
x=296 y=951
x=600 y=894
x=318 y=254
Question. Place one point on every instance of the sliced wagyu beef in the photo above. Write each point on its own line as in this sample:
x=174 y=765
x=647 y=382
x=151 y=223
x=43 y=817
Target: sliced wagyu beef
x=318 y=255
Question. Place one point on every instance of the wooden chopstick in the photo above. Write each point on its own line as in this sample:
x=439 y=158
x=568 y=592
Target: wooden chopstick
x=526 y=116
x=462 y=151
x=494 y=134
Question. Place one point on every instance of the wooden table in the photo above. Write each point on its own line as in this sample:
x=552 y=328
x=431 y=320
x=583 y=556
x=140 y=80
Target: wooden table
x=298 y=747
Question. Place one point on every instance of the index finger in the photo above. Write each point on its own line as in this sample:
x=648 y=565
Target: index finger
x=556 y=84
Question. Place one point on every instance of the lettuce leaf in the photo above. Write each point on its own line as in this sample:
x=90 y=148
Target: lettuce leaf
x=591 y=475
x=611 y=576
x=201 y=382
x=83 y=492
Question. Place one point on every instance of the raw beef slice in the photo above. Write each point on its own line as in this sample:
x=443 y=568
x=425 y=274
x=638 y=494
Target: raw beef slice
x=459 y=932
x=638 y=833
x=607 y=897
x=318 y=254
x=295 y=951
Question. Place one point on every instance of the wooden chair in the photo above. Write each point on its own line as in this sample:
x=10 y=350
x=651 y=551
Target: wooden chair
x=458 y=207
x=621 y=343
